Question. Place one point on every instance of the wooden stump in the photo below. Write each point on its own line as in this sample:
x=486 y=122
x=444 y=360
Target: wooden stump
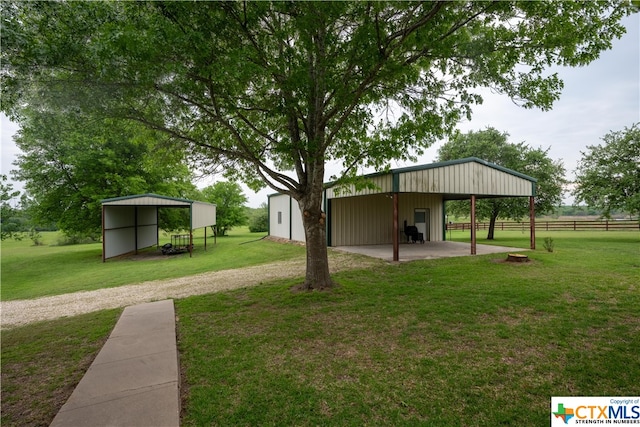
x=517 y=258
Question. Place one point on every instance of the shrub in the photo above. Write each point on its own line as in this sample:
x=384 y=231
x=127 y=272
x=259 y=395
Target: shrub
x=548 y=244
x=35 y=237
x=76 y=239
x=259 y=222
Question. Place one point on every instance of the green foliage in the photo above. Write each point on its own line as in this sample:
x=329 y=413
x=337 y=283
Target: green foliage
x=259 y=219
x=361 y=55
x=270 y=88
x=229 y=201
x=174 y=220
x=548 y=244
x=493 y=146
x=581 y=211
x=71 y=161
x=608 y=175
x=68 y=238
x=9 y=221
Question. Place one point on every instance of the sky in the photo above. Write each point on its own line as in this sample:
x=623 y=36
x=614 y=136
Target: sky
x=601 y=97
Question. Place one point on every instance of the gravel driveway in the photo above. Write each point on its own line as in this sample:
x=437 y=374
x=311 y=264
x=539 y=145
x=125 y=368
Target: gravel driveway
x=23 y=312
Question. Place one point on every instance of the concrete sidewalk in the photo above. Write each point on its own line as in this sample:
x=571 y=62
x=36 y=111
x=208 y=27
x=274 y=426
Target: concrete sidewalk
x=134 y=380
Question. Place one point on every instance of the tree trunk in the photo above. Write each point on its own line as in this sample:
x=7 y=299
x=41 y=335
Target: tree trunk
x=492 y=225
x=313 y=220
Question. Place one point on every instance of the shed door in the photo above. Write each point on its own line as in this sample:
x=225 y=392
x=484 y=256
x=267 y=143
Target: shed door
x=421 y=221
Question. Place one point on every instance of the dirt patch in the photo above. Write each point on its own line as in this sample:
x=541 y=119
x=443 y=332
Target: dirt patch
x=144 y=255
x=283 y=240
x=301 y=288
x=505 y=261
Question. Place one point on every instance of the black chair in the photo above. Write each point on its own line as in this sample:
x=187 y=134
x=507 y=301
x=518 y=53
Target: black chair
x=413 y=235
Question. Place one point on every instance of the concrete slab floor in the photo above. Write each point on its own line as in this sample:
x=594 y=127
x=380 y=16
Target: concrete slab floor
x=428 y=250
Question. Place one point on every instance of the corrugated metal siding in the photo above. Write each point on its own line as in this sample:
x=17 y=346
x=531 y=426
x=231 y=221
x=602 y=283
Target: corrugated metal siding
x=366 y=220
x=118 y=241
x=147 y=229
x=147 y=215
x=297 y=229
x=279 y=203
x=203 y=215
x=464 y=178
x=119 y=217
x=121 y=225
x=383 y=182
x=408 y=202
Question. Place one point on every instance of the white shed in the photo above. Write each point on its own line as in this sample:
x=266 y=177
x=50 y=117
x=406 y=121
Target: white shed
x=412 y=196
x=130 y=223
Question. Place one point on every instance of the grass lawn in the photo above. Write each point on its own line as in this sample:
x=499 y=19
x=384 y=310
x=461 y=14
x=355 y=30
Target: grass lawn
x=43 y=363
x=459 y=341
x=34 y=271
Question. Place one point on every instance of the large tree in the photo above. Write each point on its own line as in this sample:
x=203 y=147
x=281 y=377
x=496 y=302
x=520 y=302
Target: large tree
x=275 y=90
x=493 y=146
x=229 y=200
x=70 y=162
x=608 y=175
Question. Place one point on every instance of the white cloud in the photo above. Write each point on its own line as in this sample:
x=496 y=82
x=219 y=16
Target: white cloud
x=8 y=148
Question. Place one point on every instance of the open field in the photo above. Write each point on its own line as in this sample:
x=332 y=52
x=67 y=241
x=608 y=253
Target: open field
x=459 y=341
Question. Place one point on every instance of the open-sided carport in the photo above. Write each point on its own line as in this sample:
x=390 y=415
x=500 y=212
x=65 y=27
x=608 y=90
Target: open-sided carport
x=130 y=223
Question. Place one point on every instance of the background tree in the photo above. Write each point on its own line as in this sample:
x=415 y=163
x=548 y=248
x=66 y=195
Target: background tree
x=492 y=146
x=229 y=200
x=9 y=221
x=608 y=175
x=259 y=219
x=70 y=162
x=274 y=90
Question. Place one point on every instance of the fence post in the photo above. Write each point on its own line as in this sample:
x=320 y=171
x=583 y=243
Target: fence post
x=473 y=224
x=532 y=222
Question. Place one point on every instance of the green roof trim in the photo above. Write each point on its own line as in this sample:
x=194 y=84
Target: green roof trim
x=395 y=183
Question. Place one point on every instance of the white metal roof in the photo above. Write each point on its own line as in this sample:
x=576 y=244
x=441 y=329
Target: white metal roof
x=202 y=214
x=148 y=199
